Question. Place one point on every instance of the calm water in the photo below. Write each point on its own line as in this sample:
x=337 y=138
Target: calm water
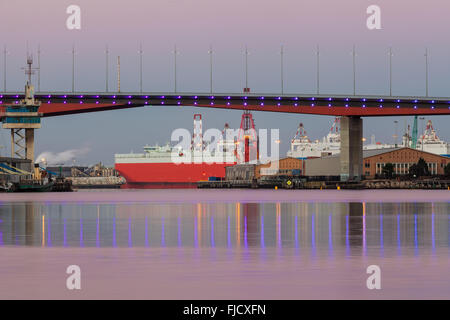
x=232 y=244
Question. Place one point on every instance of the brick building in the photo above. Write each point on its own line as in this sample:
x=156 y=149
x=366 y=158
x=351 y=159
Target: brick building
x=375 y=160
x=285 y=167
x=402 y=159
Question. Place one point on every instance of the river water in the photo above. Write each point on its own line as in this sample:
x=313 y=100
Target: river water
x=226 y=244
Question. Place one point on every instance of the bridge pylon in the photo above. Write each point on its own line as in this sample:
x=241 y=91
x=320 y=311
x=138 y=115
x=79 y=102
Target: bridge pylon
x=351 y=148
x=22 y=118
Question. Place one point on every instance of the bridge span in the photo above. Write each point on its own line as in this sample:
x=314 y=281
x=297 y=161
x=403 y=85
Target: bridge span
x=350 y=108
x=61 y=103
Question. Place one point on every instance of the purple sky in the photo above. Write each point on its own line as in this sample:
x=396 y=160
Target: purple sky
x=228 y=26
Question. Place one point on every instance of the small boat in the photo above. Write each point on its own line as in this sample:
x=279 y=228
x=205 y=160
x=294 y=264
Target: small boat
x=32 y=186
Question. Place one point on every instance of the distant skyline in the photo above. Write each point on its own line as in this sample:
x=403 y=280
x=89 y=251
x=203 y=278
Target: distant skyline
x=263 y=26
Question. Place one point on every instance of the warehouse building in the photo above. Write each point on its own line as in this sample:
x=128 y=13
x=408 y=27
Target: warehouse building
x=285 y=167
x=11 y=169
x=375 y=160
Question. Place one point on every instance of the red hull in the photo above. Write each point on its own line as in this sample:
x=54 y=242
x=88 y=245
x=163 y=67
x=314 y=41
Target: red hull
x=168 y=175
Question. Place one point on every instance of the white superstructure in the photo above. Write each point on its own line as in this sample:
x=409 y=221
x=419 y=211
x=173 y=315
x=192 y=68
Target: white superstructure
x=303 y=147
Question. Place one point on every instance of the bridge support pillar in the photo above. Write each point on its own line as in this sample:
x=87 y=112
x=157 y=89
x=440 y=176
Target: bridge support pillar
x=351 y=148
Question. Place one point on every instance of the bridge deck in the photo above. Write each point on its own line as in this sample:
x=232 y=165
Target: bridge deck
x=61 y=103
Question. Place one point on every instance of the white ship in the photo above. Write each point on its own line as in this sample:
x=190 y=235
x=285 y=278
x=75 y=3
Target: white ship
x=430 y=142
x=303 y=147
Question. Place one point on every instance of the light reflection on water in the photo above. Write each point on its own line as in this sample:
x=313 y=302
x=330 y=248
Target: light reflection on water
x=355 y=228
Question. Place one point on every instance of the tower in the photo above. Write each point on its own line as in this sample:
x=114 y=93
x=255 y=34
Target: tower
x=22 y=118
x=247 y=140
x=197 y=138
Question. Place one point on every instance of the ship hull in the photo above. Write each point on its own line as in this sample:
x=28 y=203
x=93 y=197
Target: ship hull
x=168 y=175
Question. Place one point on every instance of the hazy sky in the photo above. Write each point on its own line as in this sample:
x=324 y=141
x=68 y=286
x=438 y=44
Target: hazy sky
x=193 y=25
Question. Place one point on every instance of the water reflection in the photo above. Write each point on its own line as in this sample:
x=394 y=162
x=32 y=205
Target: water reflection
x=354 y=228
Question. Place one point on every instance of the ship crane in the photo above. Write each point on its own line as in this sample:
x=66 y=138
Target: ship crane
x=247 y=142
x=197 y=137
x=301 y=134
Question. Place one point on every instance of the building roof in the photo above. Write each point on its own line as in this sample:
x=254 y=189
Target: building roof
x=376 y=152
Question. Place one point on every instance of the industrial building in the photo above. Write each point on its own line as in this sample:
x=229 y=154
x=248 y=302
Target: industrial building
x=375 y=160
x=286 y=167
x=11 y=169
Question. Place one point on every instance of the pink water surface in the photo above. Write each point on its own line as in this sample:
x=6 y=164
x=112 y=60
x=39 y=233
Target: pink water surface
x=234 y=195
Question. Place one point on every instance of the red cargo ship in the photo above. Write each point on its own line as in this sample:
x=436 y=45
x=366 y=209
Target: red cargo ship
x=157 y=168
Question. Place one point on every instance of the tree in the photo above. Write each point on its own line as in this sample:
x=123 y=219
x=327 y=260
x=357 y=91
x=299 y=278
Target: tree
x=447 y=170
x=388 y=170
x=419 y=169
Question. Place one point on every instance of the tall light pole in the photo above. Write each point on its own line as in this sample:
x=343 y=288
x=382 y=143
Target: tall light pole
x=73 y=68
x=390 y=71
x=396 y=133
x=39 y=68
x=426 y=71
x=118 y=74
x=246 y=68
x=318 y=69
x=140 y=67
x=175 y=53
x=422 y=120
x=354 y=70
x=5 y=53
x=106 y=69
x=210 y=52
x=282 y=68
